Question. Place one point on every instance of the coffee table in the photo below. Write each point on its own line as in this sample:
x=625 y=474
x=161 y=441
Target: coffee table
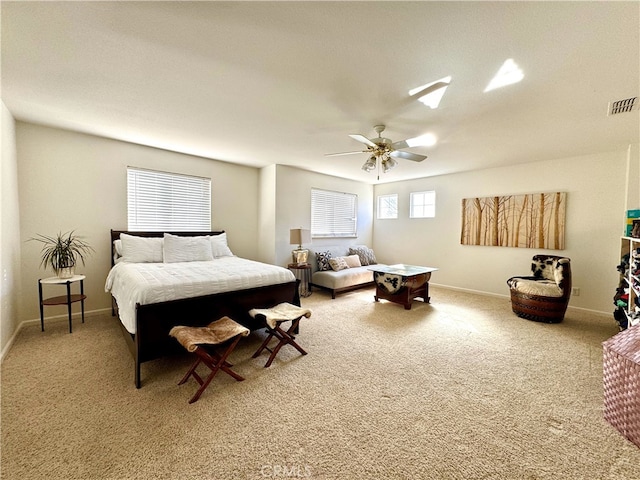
x=402 y=283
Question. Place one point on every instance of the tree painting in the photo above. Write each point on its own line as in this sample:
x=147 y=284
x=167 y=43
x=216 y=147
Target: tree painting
x=534 y=220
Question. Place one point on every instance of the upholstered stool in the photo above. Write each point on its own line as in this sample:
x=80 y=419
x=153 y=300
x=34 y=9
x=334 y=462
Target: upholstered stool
x=200 y=340
x=273 y=318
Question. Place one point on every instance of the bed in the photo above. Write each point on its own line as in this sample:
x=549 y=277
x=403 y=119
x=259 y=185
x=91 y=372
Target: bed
x=150 y=296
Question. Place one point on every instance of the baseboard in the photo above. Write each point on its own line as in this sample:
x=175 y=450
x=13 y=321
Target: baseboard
x=468 y=290
x=489 y=294
x=26 y=323
x=588 y=310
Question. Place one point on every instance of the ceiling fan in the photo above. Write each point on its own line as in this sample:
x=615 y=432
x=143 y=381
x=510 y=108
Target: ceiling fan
x=383 y=149
x=386 y=151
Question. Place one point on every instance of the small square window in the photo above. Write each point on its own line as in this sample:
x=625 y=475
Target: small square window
x=423 y=205
x=388 y=206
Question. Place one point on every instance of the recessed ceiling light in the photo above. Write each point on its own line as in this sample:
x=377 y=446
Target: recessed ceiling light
x=509 y=73
x=432 y=100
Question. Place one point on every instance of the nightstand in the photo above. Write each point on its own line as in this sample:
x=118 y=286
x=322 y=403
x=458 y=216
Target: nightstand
x=67 y=299
x=302 y=273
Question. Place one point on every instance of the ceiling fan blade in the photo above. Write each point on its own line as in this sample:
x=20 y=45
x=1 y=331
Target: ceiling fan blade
x=400 y=145
x=343 y=153
x=363 y=139
x=414 y=157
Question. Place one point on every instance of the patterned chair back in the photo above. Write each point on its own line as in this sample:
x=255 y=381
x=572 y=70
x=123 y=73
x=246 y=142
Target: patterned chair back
x=554 y=268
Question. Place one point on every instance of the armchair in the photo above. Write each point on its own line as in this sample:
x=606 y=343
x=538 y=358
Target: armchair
x=544 y=296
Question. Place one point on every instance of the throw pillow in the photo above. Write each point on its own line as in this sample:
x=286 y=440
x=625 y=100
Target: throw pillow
x=353 y=261
x=372 y=257
x=323 y=261
x=186 y=249
x=338 y=264
x=366 y=255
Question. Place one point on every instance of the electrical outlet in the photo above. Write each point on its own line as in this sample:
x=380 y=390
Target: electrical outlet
x=575 y=291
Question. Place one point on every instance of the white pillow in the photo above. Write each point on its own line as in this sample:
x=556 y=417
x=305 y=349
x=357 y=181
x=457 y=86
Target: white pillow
x=117 y=251
x=353 y=261
x=219 y=247
x=186 y=249
x=141 y=249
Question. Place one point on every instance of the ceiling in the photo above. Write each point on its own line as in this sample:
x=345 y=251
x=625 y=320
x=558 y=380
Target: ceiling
x=262 y=83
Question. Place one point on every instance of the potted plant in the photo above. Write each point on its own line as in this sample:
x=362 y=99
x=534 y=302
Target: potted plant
x=62 y=251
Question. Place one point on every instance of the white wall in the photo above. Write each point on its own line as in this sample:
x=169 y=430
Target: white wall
x=293 y=208
x=9 y=232
x=632 y=180
x=71 y=181
x=267 y=215
x=595 y=186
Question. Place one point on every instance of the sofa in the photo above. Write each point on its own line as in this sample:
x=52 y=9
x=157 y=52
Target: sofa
x=341 y=268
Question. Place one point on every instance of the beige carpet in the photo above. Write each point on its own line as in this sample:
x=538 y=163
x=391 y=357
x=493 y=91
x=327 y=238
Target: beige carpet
x=459 y=389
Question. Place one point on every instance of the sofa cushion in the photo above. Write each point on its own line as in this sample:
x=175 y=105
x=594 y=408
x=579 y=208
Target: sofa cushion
x=343 y=278
x=366 y=255
x=529 y=286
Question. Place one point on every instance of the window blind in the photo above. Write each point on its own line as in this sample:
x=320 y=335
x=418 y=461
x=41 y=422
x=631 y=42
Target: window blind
x=333 y=214
x=161 y=201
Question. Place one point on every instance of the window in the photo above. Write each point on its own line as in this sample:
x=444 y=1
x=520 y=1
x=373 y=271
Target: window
x=388 y=206
x=333 y=214
x=423 y=205
x=161 y=201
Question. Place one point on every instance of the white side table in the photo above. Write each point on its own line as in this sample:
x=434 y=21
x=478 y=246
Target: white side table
x=67 y=299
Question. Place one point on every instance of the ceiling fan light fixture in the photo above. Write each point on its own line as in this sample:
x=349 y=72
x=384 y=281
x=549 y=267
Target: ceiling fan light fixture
x=388 y=164
x=432 y=100
x=370 y=164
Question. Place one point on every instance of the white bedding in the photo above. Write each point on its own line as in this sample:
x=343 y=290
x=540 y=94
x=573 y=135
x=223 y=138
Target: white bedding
x=147 y=283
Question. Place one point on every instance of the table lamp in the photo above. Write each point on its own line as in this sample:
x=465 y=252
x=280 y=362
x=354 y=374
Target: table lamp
x=298 y=236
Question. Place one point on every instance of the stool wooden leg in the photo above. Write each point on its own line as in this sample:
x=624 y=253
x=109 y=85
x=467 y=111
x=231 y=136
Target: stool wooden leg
x=265 y=343
x=190 y=372
x=216 y=363
x=290 y=335
x=275 y=351
x=284 y=338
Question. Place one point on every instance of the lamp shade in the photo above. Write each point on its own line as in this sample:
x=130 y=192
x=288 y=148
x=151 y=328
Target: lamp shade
x=298 y=236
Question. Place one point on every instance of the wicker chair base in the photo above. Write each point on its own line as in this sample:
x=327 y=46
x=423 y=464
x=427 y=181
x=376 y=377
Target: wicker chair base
x=537 y=308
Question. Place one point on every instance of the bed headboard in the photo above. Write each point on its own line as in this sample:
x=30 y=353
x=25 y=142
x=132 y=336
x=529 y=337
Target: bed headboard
x=115 y=235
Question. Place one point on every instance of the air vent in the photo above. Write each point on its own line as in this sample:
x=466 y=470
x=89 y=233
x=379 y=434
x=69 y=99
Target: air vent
x=623 y=106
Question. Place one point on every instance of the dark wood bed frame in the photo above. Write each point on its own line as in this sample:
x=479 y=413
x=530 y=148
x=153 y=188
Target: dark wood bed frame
x=153 y=322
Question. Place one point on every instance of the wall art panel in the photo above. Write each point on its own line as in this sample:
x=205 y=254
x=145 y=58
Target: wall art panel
x=535 y=220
